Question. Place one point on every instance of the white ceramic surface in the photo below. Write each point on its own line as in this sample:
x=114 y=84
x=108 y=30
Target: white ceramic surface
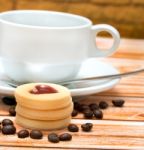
x=37 y=45
x=90 y=67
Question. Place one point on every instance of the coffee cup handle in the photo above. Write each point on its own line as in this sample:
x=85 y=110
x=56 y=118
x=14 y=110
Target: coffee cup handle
x=94 y=50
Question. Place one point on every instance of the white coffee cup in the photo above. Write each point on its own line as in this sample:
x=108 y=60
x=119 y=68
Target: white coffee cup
x=47 y=46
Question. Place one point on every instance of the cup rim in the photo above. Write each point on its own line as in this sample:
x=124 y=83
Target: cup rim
x=88 y=22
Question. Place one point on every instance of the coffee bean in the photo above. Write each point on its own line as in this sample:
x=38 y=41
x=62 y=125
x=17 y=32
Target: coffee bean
x=65 y=137
x=89 y=124
x=87 y=127
x=23 y=133
x=12 y=111
x=53 y=137
x=8 y=129
x=74 y=113
x=83 y=107
x=73 y=128
x=98 y=114
x=8 y=100
x=88 y=114
x=7 y=122
x=118 y=103
x=93 y=106
x=36 y=134
x=76 y=105
x=103 y=105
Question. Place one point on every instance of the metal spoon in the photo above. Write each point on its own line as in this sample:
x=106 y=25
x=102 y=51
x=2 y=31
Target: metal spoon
x=113 y=76
x=87 y=79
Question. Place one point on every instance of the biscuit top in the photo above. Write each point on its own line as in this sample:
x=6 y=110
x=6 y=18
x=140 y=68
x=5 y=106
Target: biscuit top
x=48 y=95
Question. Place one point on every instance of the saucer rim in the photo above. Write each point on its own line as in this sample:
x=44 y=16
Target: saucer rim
x=110 y=83
x=77 y=92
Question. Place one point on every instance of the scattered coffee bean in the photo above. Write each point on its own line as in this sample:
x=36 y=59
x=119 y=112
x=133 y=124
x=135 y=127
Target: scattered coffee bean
x=8 y=129
x=9 y=100
x=83 y=107
x=76 y=105
x=103 y=105
x=12 y=111
x=90 y=125
x=118 y=103
x=53 y=137
x=74 y=113
x=93 y=106
x=36 y=134
x=7 y=122
x=65 y=137
x=73 y=128
x=88 y=114
x=87 y=127
x=23 y=133
x=98 y=114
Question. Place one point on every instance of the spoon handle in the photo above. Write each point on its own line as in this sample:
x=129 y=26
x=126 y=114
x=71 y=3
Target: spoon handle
x=78 y=80
x=114 y=76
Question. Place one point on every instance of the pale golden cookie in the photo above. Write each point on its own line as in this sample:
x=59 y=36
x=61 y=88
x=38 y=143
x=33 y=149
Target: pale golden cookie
x=42 y=125
x=45 y=114
x=42 y=101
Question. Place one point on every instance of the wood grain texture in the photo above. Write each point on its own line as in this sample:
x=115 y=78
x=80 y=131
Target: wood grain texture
x=6 y=5
x=105 y=134
x=121 y=128
x=128 y=49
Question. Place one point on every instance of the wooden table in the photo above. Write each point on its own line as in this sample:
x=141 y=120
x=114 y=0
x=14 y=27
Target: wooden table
x=121 y=128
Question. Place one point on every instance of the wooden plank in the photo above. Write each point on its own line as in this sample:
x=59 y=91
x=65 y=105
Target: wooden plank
x=128 y=48
x=105 y=134
x=133 y=108
x=31 y=148
x=128 y=86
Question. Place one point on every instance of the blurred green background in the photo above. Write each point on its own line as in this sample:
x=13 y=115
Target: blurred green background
x=126 y=15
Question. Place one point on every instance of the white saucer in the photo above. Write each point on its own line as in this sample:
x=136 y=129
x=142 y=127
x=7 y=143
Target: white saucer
x=90 y=67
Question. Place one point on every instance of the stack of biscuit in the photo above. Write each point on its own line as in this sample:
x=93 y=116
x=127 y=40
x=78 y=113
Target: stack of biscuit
x=46 y=111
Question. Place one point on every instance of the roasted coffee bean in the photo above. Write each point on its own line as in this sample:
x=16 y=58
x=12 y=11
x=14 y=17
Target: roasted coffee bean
x=87 y=127
x=8 y=129
x=90 y=125
x=73 y=128
x=98 y=114
x=74 y=113
x=88 y=114
x=23 y=133
x=83 y=107
x=53 y=137
x=76 y=105
x=65 y=137
x=93 y=106
x=36 y=134
x=7 y=122
x=103 y=105
x=118 y=103
x=12 y=111
x=9 y=100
